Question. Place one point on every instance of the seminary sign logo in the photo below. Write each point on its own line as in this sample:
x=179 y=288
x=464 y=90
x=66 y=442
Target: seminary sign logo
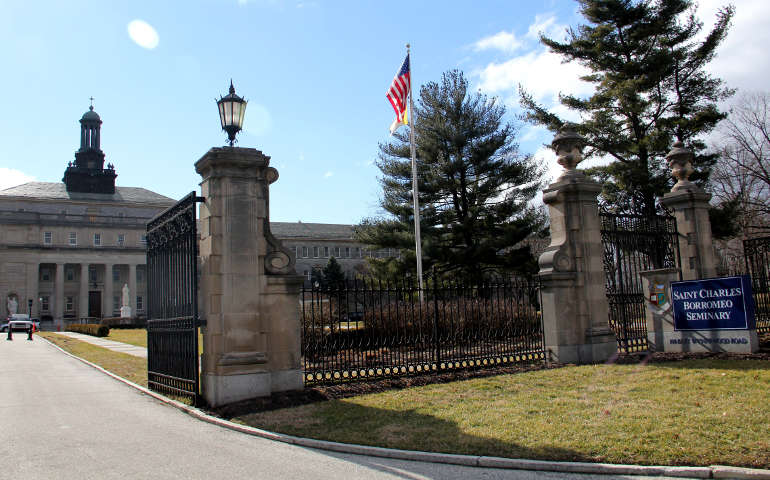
x=658 y=295
x=657 y=300
x=714 y=304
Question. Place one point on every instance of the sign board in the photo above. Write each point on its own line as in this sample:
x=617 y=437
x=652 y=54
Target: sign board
x=714 y=304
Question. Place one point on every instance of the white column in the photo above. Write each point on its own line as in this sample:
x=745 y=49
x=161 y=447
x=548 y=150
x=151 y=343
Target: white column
x=59 y=296
x=132 y=288
x=109 y=291
x=83 y=294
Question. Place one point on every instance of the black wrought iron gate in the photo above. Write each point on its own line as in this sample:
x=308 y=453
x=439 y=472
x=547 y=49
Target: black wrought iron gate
x=632 y=244
x=757 y=254
x=172 y=286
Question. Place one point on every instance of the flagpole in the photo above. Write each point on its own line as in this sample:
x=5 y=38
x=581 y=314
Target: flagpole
x=415 y=193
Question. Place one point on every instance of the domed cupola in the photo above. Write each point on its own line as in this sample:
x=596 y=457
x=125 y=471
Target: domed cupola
x=88 y=174
x=90 y=126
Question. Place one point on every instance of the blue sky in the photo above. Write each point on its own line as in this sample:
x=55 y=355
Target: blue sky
x=315 y=74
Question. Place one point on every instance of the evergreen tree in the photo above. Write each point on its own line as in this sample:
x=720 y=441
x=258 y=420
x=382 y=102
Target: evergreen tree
x=474 y=189
x=651 y=90
x=332 y=274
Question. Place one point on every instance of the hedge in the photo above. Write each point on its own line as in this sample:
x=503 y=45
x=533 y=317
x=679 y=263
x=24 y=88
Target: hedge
x=95 y=330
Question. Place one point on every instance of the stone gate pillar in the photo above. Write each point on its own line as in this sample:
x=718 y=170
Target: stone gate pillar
x=248 y=288
x=574 y=309
x=691 y=209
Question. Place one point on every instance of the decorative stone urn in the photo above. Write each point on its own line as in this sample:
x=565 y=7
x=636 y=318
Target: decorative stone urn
x=680 y=162
x=568 y=145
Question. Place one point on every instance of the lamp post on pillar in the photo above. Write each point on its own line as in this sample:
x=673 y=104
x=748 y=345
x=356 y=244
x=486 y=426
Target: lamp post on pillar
x=249 y=289
x=232 y=109
x=690 y=205
x=575 y=310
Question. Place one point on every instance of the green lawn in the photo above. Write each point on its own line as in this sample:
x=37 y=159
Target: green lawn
x=695 y=412
x=122 y=364
x=133 y=336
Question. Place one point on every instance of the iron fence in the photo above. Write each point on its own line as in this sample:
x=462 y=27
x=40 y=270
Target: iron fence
x=365 y=329
x=756 y=252
x=633 y=244
x=172 y=286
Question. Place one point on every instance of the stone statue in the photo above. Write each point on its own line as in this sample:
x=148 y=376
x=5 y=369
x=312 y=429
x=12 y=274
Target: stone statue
x=125 y=309
x=13 y=305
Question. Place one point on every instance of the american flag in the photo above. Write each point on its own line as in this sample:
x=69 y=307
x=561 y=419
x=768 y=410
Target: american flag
x=397 y=94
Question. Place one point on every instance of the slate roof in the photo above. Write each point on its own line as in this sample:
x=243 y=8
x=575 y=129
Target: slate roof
x=58 y=191
x=330 y=231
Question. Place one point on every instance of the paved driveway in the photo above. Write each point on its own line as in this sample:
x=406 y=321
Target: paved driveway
x=60 y=418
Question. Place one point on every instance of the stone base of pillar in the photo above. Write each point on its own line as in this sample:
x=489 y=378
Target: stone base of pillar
x=601 y=347
x=221 y=390
x=125 y=312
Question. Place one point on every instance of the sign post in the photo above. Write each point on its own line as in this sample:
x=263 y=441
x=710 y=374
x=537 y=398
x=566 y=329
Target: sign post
x=710 y=315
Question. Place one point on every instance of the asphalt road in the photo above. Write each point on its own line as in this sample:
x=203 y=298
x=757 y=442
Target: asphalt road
x=60 y=418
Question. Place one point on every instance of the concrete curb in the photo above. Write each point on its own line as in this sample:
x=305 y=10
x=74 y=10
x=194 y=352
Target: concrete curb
x=713 y=471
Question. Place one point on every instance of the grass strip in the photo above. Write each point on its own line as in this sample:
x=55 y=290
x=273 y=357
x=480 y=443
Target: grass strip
x=124 y=365
x=132 y=336
x=692 y=412
x=138 y=337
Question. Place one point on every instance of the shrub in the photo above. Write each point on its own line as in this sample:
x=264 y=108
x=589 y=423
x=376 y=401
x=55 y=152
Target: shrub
x=92 y=329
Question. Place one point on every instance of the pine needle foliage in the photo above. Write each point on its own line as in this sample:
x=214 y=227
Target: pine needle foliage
x=648 y=61
x=474 y=189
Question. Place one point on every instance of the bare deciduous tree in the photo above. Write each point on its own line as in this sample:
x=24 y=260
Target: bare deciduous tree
x=742 y=173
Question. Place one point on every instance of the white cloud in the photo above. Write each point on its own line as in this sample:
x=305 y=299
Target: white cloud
x=546 y=157
x=143 y=34
x=10 y=178
x=328 y=174
x=504 y=41
x=547 y=25
x=540 y=72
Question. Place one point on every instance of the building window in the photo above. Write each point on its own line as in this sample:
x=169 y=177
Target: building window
x=357 y=251
x=315 y=252
x=92 y=274
x=306 y=274
x=143 y=240
x=44 y=305
x=304 y=252
x=97 y=239
x=337 y=252
x=116 y=274
x=121 y=239
x=73 y=238
x=326 y=251
x=347 y=250
x=69 y=304
x=47 y=238
x=140 y=273
x=139 y=302
x=45 y=275
x=69 y=274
